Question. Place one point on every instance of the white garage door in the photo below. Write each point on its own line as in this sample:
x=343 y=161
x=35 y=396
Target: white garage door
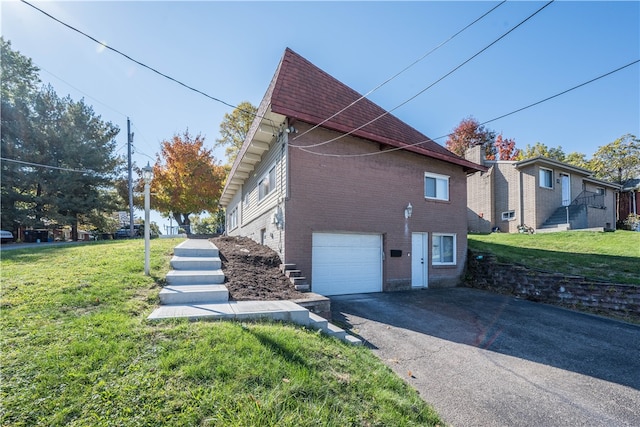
x=345 y=263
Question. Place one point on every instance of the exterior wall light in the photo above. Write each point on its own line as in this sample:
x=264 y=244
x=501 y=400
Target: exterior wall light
x=408 y=211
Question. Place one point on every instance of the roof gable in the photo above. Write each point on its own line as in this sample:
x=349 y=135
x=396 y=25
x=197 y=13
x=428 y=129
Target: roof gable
x=305 y=92
x=301 y=91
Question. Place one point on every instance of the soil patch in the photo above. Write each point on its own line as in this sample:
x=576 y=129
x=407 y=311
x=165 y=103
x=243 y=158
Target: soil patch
x=252 y=271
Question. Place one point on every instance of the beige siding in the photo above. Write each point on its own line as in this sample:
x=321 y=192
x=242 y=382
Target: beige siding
x=257 y=216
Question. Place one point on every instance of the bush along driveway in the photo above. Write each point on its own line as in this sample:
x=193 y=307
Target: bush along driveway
x=495 y=360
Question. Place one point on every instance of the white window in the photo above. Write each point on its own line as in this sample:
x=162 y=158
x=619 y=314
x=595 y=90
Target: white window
x=436 y=186
x=247 y=200
x=232 y=220
x=546 y=178
x=508 y=215
x=600 y=191
x=443 y=249
x=267 y=184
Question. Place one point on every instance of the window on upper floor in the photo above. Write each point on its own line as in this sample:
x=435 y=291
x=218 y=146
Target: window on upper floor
x=600 y=191
x=546 y=178
x=267 y=184
x=436 y=186
x=443 y=249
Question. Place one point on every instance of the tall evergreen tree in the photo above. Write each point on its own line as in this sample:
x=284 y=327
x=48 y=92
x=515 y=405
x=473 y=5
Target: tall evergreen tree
x=58 y=156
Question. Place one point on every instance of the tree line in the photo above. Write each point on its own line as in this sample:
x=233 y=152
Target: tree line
x=58 y=156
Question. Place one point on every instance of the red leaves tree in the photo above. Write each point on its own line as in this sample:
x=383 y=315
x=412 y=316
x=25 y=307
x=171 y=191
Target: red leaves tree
x=506 y=148
x=186 y=178
x=470 y=133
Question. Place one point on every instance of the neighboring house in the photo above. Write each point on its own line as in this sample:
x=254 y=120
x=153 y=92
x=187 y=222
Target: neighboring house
x=542 y=193
x=357 y=208
x=629 y=199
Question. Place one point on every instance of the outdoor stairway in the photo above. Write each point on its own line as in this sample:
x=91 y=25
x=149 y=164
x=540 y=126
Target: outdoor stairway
x=196 y=277
x=558 y=221
x=195 y=290
x=295 y=277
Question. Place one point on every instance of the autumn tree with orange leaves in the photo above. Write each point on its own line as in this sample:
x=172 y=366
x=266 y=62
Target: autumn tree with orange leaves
x=186 y=179
x=470 y=133
x=506 y=149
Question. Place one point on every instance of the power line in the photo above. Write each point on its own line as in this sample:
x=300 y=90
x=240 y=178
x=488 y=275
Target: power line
x=82 y=92
x=132 y=59
x=399 y=73
x=374 y=153
x=562 y=93
x=431 y=85
x=48 y=166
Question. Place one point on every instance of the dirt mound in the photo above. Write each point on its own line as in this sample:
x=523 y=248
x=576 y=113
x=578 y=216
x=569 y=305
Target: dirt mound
x=252 y=271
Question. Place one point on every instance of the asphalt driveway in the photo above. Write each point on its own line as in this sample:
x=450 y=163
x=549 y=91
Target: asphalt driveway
x=492 y=360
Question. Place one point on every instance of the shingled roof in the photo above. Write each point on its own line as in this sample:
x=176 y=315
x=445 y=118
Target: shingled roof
x=304 y=92
x=301 y=91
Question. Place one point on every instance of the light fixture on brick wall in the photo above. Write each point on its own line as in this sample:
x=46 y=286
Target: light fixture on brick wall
x=408 y=211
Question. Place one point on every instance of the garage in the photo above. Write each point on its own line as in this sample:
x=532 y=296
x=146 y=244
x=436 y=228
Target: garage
x=346 y=263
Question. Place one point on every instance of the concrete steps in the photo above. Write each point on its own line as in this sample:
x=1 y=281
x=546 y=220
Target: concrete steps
x=195 y=290
x=189 y=294
x=195 y=277
x=195 y=263
x=285 y=311
x=295 y=277
x=196 y=248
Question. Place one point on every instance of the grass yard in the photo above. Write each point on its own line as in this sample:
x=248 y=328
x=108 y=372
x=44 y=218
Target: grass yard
x=77 y=350
x=613 y=257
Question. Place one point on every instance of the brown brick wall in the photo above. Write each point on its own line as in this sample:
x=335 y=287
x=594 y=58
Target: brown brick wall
x=368 y=195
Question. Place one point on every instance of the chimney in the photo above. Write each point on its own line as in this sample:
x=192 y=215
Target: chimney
x=475 y=154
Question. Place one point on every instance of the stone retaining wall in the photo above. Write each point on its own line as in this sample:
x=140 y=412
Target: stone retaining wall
x=576 y=292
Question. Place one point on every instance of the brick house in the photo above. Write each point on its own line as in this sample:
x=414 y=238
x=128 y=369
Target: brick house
x=629 y=199
x=356 y=208
x=539 y=192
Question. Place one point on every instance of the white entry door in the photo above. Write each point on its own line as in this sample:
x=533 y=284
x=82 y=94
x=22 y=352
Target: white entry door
x=419 y=260
x=566 y=189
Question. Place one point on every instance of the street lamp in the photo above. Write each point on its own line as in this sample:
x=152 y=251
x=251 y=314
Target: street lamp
x=147 y=176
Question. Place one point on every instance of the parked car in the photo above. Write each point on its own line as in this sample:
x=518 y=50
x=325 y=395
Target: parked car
x=6 y=236
x=123 y=233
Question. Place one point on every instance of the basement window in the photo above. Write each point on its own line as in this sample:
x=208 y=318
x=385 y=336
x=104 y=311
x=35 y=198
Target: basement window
x=508 y=215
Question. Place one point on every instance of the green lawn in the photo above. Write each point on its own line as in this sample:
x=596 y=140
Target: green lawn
x=77 y=350
x=611 y=257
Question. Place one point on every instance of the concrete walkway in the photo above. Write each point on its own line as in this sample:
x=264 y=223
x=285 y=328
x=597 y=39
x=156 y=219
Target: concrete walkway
x=195 y=290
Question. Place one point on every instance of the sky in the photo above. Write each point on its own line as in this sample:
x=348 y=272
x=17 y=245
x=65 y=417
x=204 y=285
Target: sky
x=230 y=51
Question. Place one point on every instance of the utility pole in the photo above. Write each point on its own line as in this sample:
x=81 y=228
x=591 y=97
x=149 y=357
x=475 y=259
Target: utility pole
x=129 y=145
